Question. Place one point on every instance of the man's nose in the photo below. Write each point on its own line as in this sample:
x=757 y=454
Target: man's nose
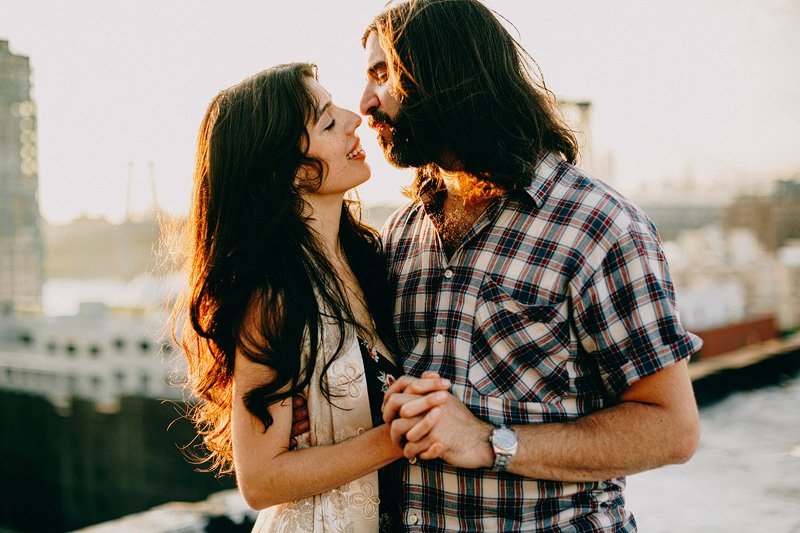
x=369 y=100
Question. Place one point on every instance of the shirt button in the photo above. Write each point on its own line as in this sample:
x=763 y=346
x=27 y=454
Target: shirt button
x=413 y=519
x=439 y=338
x=448 y=273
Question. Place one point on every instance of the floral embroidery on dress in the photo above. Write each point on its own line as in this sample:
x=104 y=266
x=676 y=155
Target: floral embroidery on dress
x=324 y=512
x=387 y=380
x=349 y=381
x=372 y=353
x=338 y=498
x=296 y=516
x=367 y=499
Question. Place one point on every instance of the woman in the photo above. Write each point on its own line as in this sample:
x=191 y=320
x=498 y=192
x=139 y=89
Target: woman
x=287 y=296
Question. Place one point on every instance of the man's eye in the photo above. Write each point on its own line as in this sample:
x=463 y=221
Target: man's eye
x=330 y=126
x=379 y=76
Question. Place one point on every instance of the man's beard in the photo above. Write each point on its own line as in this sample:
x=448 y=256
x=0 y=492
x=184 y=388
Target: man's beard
x=402 y=151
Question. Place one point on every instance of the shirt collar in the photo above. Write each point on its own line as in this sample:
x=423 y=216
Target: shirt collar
x=432 y=194
x=548 y=166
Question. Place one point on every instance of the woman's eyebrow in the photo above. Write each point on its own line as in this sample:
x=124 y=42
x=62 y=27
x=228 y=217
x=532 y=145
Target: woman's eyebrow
x=322 y=110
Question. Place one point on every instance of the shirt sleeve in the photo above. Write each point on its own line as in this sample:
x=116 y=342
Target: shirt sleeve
x=626 y=315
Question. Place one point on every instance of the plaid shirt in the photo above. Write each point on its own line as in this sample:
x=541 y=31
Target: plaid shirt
x=556 y=301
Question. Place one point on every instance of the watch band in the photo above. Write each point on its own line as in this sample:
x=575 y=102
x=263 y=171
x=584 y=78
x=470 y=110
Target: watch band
x=501 y=461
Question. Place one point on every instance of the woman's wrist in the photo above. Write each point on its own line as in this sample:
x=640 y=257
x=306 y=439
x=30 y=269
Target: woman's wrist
x=394 y=451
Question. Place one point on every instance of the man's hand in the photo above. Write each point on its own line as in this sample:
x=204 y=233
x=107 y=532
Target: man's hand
x=457 y=436
x=300 y=422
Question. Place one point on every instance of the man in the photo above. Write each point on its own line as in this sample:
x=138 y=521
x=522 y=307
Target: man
x=540 y=293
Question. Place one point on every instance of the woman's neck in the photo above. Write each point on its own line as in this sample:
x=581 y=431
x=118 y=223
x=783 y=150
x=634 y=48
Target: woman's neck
x=324 y=215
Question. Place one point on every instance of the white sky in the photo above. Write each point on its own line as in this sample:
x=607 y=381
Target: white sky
x=709 y=88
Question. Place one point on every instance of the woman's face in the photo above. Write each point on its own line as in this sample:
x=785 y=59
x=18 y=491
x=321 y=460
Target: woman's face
x=333 y=140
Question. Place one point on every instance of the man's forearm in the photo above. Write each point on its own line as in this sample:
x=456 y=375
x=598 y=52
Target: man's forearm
x=655 y=423
x=627 y=438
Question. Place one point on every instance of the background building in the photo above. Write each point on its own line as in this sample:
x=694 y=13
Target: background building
x=117 y=251
x=21 y=249
x=773 y=217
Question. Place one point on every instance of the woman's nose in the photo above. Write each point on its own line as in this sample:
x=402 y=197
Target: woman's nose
x=354 y=121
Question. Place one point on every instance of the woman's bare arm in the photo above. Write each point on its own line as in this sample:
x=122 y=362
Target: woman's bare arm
x=269 y=473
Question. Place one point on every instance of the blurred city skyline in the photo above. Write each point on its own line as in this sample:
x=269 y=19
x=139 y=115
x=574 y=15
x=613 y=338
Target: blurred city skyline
x=707 y=90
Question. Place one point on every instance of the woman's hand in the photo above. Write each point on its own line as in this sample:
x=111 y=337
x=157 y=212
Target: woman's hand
x=411 y=408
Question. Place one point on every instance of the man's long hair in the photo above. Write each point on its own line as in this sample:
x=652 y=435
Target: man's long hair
x=468 y=91
x=259 y=282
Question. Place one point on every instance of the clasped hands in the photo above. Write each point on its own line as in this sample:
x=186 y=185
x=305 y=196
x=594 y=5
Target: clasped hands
x=428 y=422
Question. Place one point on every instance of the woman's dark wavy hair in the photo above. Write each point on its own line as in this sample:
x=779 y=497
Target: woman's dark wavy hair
x=254 y=259
x=469 y=92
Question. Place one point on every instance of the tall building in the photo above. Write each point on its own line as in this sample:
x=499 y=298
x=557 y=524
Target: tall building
x=21 y=244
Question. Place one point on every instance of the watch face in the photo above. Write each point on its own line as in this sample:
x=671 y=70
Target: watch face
x=504 y=438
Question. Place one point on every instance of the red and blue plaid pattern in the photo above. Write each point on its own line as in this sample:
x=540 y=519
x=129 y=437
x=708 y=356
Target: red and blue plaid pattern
x=557 y=300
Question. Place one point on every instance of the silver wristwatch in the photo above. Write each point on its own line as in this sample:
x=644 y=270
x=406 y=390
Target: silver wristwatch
x=505 y=444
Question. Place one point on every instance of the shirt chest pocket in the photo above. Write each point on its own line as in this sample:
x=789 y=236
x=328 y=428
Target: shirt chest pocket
x=520 y=352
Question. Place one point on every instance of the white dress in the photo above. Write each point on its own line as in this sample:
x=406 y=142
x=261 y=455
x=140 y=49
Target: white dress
x=352 y=507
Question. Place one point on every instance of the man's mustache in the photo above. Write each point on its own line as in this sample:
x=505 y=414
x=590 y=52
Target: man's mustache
x=380 y=116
